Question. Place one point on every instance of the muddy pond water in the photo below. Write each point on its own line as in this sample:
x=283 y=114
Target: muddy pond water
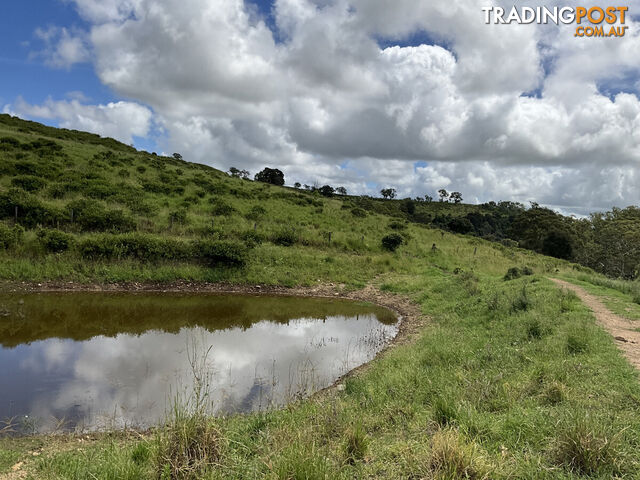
x=91 y=361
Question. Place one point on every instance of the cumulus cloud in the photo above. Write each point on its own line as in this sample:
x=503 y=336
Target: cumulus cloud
x=62 y=48
x=496 y=111
x=119 y=120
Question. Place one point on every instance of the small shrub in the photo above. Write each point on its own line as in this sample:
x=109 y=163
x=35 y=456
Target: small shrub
x=141 y=169
x=216 y=252
x=527 y=271
x=29 y=183
x=124 y=173
x=93 y=216
x=513 y=273
x=397 y=226
x=358 y=212
x=54 y=241
x=256 y=213
x=178 y=216
x=252 y=238
x=392 y=241
x=10 y=236
x=137 y=245
x=220 y=207
x=285 y=238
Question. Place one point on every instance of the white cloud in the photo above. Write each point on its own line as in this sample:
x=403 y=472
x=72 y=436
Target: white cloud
x=321 y=93
x=62 y=48
x=119 y=120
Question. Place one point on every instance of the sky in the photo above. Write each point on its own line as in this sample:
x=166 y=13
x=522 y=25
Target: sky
x=365 y=94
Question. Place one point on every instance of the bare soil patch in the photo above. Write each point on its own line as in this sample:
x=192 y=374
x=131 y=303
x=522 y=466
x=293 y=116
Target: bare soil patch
x=622 y=329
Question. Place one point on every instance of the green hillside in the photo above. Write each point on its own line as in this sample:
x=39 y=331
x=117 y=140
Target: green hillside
x=91 y=209
x=503 y=376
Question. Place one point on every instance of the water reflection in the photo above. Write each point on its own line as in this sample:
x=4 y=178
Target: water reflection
x=101 y=361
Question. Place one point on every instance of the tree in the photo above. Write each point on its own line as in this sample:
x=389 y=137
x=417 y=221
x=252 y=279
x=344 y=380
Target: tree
x=341 y=191
x=177 y=156
x=428 y=198
x=456 y=197
x=270 y=175
x=388 y=193
x=444 y=196
x=297 y=185
x=236 y=173
x=408 y=206
x=557 y=244
x=326 y=191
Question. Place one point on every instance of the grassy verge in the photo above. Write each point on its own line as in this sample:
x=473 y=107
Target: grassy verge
x=620 y=296
x=513 y=380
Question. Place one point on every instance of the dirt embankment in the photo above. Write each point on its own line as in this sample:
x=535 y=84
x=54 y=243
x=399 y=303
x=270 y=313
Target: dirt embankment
x=623 y=330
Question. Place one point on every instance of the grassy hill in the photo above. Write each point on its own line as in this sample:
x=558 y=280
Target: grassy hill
x=510 y=377
x=92 y=209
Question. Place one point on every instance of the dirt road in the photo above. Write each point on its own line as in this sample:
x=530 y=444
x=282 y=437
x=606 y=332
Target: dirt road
x=623 y=330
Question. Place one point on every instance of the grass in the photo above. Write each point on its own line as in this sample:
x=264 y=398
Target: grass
x=510 y=379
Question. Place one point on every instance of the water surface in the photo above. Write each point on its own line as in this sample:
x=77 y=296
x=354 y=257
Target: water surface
x=89 y=361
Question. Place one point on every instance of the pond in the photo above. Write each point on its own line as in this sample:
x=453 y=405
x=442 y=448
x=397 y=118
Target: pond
x=93 y=361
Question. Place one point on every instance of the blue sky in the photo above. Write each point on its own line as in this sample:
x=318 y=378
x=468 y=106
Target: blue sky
x=30 y=77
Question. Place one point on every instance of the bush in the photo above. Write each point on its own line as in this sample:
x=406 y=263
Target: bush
x=178 y=216
x=220 y=207
x=54 y=241
x=397 y=226
x=10 y=237
x=139 y=246
x=513 y=273
x=285 y=238
x=216 y=252
x=31 y=211
x=93 y=216
x=358 y=212
x=256 y=213
x=252 y=238
x=392 y=242
x=28 y=183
